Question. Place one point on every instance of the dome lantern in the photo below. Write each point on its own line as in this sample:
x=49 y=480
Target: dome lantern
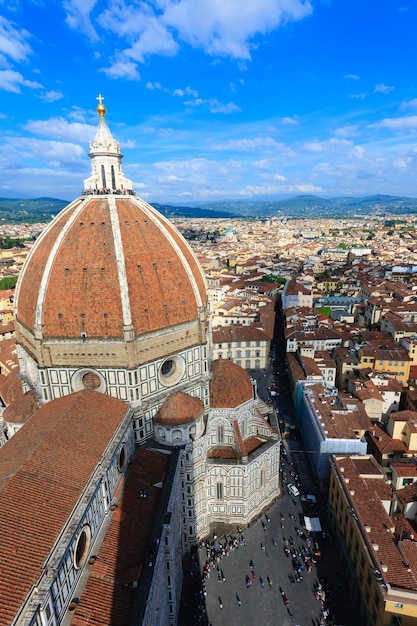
x=106 y=161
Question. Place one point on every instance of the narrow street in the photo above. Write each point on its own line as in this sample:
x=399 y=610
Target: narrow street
x=272 y=572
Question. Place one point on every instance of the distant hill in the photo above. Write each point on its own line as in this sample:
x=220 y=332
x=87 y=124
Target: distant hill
x=181 y=211
x=18 y=210
x=315 y=206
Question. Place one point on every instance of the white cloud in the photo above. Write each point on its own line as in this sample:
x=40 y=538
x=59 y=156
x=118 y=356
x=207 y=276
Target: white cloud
x=185 y=92
x=197 y=102
x=60 y=128
x=411 y=104
x=53 y=153
x=351 y=77
x=77 y=113
x=351 y=130
x=14 y=48
x=397 y=123
x=381 y=88
x=155 y=39
x=13 y=42
x=214 y=105
x=248 y=145
x=141 y=28
x=10 y=80
x=218 y=107
x=402 y=163
x=289 y=121
x=122 y=69
x=51 y=96
x=228 y=27
x=78 y=16
x=327 y=145
x=274 y=190
x=153 y=86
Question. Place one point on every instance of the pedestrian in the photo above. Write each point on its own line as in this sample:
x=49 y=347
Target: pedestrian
x=262 y=582
x=220 y=602
x=269 y=582
x=238 y=600
x=262 y=547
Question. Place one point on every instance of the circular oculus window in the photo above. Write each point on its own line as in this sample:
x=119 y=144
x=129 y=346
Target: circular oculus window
x=82 y=547
x=171 y=371
x=88 y=379
x=91 y=381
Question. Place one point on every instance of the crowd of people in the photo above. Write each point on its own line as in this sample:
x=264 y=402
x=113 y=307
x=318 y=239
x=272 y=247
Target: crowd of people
x=107 y=191
x=214 y=561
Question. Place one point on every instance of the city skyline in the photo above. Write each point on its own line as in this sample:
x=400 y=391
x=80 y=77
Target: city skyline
x=264 y=100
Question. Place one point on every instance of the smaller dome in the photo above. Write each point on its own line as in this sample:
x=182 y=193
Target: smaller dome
x=179 y=408
x=230 y=385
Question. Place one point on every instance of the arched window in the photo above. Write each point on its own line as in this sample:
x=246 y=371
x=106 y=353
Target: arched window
x=103 y=177
x=177 y=435
x=113 y=178
x=262 y=478
x=219 y=491
x=220 y=433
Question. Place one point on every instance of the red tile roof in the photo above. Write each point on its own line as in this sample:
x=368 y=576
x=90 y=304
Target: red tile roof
x=366 y=490
x=230 y=385
x=44 y=468
x=125 y=552
x=83 y=294
x=179 y=408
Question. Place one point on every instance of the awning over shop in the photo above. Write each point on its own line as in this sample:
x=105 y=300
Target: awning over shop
x=312 y=524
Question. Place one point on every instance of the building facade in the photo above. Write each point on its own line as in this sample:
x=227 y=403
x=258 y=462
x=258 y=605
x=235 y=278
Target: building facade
x=113 y=343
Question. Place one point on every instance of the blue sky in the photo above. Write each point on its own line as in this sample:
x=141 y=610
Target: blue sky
x=211 y=99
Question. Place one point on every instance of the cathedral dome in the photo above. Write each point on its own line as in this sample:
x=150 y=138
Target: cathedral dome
x=230 y=385
x=108 y=270
x=179 y=408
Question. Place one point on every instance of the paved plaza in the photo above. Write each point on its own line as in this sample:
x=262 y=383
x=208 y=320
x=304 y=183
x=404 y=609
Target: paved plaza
x=230 y=601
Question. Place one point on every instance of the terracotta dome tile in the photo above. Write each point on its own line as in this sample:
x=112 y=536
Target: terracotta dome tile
x=76 y=264
x=230 y=385
x=179 y=408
